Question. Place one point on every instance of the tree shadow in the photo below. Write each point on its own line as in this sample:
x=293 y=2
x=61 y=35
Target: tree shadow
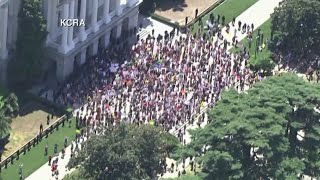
x=175 y=5
x=37 y=106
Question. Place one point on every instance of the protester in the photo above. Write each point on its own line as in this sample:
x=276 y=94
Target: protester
x=162 y=81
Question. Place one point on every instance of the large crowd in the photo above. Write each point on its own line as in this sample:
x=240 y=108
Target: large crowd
x=162 y=80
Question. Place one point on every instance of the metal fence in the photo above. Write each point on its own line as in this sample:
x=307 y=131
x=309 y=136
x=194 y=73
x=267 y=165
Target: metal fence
x=33 y=142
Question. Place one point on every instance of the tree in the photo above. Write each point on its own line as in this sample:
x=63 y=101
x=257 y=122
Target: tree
x=8 y=109
x=271 y=131
x=126 y=152
x=147 y=6
x=26 y=67
x=297 y=24
x=263 y=63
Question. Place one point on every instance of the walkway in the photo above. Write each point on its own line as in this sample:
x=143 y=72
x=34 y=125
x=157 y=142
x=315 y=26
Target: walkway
x=44 y=172
x=256 y=14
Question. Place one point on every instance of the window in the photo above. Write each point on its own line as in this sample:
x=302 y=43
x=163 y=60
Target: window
x=112 y=5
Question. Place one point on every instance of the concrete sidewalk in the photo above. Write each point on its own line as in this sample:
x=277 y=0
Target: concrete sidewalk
x=44 y=172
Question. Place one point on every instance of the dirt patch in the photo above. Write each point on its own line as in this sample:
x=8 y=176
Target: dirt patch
x=25 y=126
x=178 y=10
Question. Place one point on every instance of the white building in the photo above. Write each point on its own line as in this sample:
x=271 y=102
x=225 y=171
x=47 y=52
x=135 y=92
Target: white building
x=68 y=46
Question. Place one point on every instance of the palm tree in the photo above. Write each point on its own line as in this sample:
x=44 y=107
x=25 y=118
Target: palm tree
x=8 y=108
x=11 y=105
x=5 y=123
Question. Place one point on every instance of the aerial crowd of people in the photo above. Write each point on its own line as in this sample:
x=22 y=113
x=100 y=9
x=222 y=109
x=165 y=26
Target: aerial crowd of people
x=163 y=81
x=166 y=81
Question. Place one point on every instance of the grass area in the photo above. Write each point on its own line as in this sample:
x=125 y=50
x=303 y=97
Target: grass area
x=26 y=125
x=266 y=52
x=35 y=158
x=229 y=9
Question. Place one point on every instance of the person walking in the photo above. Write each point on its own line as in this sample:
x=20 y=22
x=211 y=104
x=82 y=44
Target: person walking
x=55 y=149
x=196 y=14
x=41 y=128
x=46 y=150
x=49 y=160
x=48 y=119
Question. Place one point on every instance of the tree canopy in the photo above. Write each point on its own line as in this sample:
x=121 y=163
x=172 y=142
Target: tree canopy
x=297 y=25
x=271 y=131
x=26 y=67
x=125 y=152
x=8 y=108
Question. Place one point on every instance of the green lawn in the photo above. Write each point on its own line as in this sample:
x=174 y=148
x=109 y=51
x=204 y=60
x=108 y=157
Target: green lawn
x=266 y=52
x=35 y=158
x=230 y=9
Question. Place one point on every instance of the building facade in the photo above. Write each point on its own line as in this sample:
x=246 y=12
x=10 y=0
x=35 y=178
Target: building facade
x=69 y=46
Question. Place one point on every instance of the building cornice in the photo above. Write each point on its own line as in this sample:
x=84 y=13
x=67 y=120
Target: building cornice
x=3 y=2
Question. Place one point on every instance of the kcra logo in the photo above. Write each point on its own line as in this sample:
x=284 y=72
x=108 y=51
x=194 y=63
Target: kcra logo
x=72 y=22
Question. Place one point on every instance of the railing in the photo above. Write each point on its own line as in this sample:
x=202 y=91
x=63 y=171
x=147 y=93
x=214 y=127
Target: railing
x=190 y=23
x=187 y=123
x=33 y=142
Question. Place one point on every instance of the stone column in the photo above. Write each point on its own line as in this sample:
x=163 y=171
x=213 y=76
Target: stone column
x=95 y=47
x=83 y=34
x=64 y=68
x=133 y=21
x=106 y=16
x=107 y=39
x=49 y=15
x=83 y=56
x=119 y=28
x=3 y=35
x=70 y=33
x=118 y=8
x=10 y=25
x=64 y=39
x=76 y=7
x=94 y=16
x=53 y=17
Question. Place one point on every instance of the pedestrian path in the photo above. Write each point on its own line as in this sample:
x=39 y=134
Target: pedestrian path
x=44 y=172
x=256 y=14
